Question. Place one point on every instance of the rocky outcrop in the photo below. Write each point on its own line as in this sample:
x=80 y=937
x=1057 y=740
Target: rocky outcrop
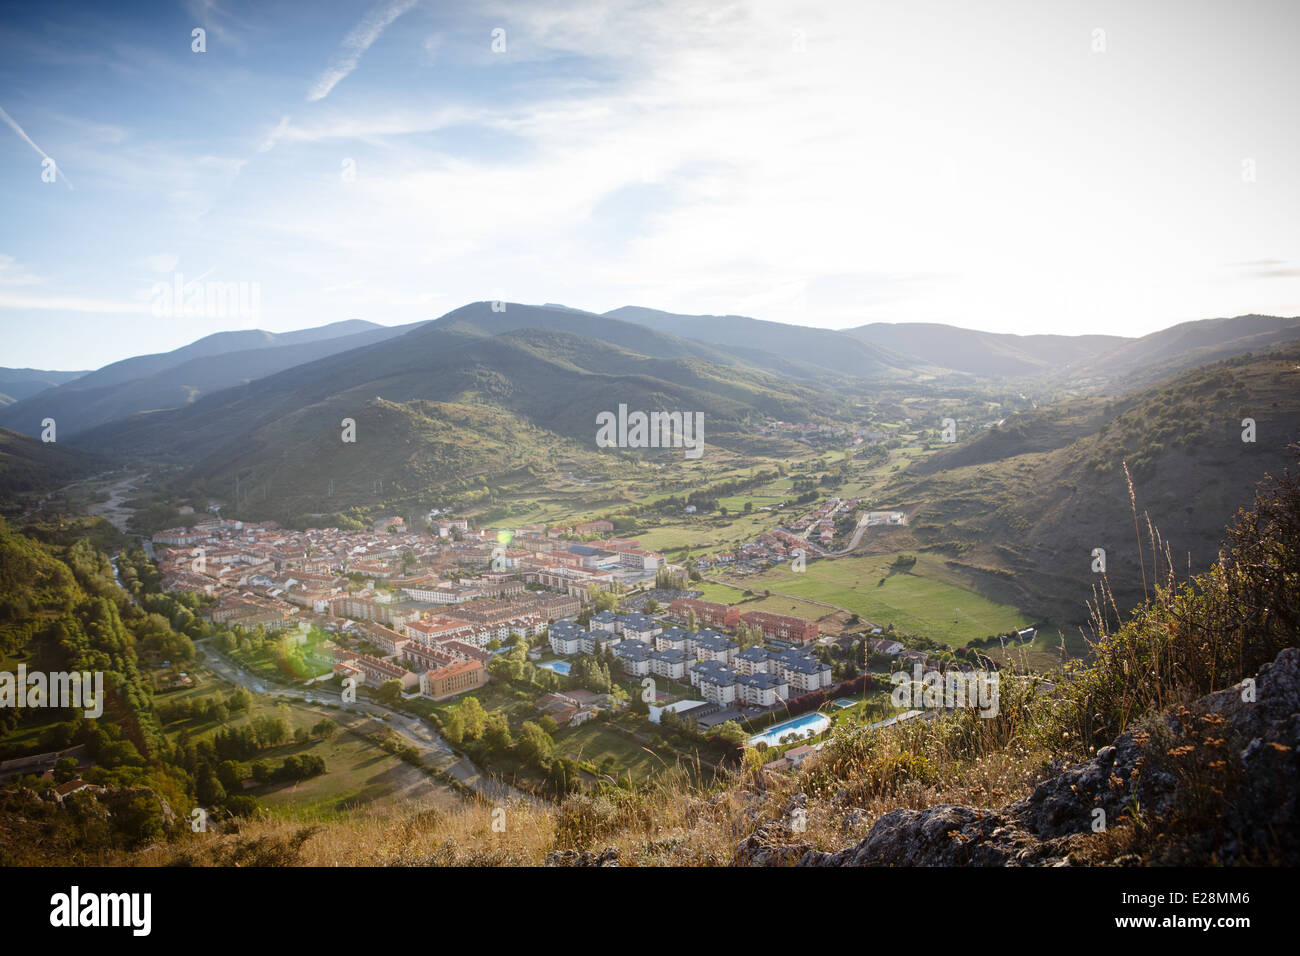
x=1257 y=733
x=606 y=857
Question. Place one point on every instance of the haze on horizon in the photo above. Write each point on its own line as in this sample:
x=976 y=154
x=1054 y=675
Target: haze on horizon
x=1075 y=167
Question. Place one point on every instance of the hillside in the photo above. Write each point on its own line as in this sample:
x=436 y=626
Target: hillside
x=986 y=354
x=29 y=465
x=495 y=402
x=19 y=383
x=176 y=378
x=804 y=349
x=1155 y=356
x=1023 y=506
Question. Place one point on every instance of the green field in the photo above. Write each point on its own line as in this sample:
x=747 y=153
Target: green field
x=929 y=600
x=358 y=773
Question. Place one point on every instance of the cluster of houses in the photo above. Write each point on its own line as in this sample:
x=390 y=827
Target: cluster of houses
x=724 y=673
x=823 y=435
x=431 y=602
x=818 y=526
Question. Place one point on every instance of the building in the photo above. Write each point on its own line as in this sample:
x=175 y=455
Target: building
x=388 y=640
x=364 y=609
x=639 y=627
x=673 y=638
x=716 y=681
x=634 y=657
x=376 y=671
x=803 y=672
x=707 y=613
x=670 y=664
x=761 y=690
x=712 y=646
x=752 y=660
x=424 y=658
x=779 y=627
x=452 y=679
x=640 y=560
x=566 y=638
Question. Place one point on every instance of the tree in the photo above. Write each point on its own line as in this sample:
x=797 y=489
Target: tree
x=535 y=744
x=230 y=774
x=496 y=733
x=473 y=718
x=730 y=732
x=390 y=692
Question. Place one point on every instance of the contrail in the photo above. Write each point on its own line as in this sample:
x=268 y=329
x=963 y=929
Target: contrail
x=30 y=142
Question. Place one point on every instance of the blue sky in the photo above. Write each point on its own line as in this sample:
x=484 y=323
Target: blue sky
x=1024 y=167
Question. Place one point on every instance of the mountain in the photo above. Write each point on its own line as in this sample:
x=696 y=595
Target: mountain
x=986 y=354
x=797 y=349
x=19 y=383
x=475 y=394
x=1187 y=344
x=30 y=465
x=1023 y=505
x=176 y=378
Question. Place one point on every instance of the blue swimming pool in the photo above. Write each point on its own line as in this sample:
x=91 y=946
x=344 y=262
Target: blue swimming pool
x=560 y=667
x=807 y=725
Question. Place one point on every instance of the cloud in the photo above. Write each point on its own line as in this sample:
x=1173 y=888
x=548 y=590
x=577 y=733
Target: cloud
x=12 y=274
x=30 y=142
x=161 y=262
x=355 y=44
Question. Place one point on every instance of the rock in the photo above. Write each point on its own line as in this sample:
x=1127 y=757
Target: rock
x=1257 y=824
x=606 y=857
x=946 y=835
x=769 y=846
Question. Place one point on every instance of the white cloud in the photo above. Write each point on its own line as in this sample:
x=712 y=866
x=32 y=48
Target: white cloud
x=355 y=44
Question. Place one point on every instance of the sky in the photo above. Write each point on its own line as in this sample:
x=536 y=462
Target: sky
x=1013 y=166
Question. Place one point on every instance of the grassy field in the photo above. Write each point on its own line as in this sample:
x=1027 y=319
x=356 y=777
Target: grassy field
x=927 y=600
x=595 y=742
x=358 y=773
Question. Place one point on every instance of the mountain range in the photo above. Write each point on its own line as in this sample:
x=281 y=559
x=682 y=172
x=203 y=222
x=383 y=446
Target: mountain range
x=492 y=391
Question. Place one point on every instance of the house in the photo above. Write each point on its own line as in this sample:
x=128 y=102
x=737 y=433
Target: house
x=76 y=785
x=887 y=647
x=797 y=755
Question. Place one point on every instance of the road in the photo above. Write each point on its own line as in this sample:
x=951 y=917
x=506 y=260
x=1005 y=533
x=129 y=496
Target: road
x=432 y=748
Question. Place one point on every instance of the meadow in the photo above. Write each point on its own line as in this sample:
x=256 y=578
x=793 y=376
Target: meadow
x=928 y=600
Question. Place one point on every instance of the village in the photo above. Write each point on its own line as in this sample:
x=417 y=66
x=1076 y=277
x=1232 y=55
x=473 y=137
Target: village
x=426 y=613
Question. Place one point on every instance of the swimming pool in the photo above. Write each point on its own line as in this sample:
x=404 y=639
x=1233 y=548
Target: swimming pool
x=807 y=725
x=844 y=702
x=560 y=667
